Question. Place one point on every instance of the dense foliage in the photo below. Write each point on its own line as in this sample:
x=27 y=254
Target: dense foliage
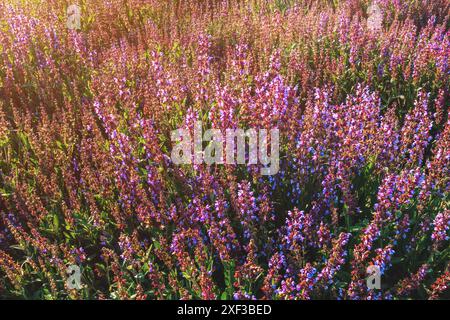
x=86 y=176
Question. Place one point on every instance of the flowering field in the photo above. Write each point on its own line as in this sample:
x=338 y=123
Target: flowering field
x=358 y=89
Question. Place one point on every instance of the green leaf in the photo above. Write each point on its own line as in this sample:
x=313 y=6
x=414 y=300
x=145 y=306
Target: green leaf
x=55 y=222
